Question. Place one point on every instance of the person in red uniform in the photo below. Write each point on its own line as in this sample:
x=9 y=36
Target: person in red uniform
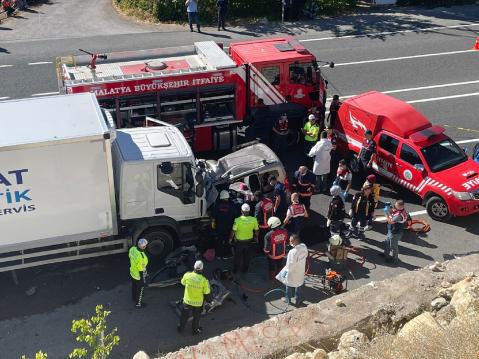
x=263 y=210
x=304 y=184
x=275 y=246
x=280 y=135
x=367 y=155
x=295 y=214
x=333 y=111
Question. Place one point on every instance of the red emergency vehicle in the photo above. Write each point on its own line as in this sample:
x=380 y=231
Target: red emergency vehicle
x=199 y=88
x=412 y=153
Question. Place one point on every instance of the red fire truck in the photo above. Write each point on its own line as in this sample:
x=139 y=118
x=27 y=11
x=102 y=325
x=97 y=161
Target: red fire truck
x=199 y=88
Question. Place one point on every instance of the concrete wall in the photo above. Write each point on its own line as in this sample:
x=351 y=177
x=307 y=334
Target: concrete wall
x=389 y=304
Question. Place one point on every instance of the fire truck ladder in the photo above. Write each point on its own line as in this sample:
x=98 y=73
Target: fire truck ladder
x=263 y=89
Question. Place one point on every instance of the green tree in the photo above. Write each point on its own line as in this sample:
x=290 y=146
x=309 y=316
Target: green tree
x=39 y=355
x=92 y=332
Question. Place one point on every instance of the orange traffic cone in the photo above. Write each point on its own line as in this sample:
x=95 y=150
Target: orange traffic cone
x=476 y=45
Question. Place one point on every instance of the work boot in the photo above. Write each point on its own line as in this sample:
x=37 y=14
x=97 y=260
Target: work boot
x=361 y=236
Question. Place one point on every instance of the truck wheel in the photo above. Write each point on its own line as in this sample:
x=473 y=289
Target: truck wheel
x=437 y=208
x=160 y=241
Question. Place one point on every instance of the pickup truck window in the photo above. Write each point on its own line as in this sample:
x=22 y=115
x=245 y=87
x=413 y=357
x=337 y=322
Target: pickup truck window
x=388 y=143
x=409 y=155
x=443 y=155
x=178 y=183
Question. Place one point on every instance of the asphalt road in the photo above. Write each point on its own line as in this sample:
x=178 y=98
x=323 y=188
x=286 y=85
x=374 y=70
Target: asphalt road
x=420 y=56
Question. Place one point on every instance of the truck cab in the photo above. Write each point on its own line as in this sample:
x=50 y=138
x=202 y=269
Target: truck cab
x=163 y=191
x=412 y=153
x=286 y=65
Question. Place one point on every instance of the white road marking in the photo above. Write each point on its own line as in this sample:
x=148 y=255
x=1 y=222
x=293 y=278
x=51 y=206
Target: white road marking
x=2 y=66
x=39 y=63
x=424 y=29
x=404 y=57
x=4 y=98
x=382 y=219
x=467 y=141
x=45 y=94
x=444 y=97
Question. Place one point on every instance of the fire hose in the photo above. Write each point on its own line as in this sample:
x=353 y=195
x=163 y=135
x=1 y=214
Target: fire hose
x=418 y=226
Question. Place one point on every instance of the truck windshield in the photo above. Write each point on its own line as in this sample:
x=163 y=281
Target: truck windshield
x=443 y=155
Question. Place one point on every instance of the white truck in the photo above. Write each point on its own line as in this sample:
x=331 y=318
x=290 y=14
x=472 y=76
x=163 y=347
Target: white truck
x=72 y=186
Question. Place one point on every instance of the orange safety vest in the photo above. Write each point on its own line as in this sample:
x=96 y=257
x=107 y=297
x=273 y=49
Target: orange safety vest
x=278 y=238
x=267 y=207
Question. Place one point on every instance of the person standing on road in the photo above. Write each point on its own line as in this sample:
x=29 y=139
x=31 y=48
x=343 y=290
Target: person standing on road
x=367 y=155
x=138 y=263
x=245 y=234
x=304 y=184
x=336 y=212
x=292 y=275
x=275 y=246
x=395 y=217
x=197 y=289
x=295 y=214
x=263 y=210
x=376 y=189
x=222 y=6
x=321 y=152
x=310 y=132
x=333 y=111
x=278 y=197
x=224 y=214
x=343 y=179
x=192 y=10
x=361 y=208
x=280 y=136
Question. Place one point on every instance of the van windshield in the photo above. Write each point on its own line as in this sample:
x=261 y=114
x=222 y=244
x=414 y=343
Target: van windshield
x=443 y=155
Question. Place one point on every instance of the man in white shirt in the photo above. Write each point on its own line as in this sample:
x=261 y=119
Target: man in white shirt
x=321 y=152
x=192 y=9
x=292 y=275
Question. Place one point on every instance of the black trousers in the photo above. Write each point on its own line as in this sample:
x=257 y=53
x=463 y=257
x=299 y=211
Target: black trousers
x=242 y=256
x=275 y=266
x=223 y=247
x=185 y=314
x=306 y=200
x=137 y=289
x=221 y=19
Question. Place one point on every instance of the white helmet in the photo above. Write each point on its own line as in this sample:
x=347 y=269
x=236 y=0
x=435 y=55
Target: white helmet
x=224 y=194
x=198 y=265
x=311 y=117
x=335 y=240
x=274 y=222
x=142 y=243
x=335 y=190
x=245 y=207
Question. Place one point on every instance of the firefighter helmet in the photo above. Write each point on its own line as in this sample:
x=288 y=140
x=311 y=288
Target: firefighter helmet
x=224 y=194
x=274 y=222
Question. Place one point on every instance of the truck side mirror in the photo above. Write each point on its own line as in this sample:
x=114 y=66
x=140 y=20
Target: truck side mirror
x=419 y=167
x=200 y=190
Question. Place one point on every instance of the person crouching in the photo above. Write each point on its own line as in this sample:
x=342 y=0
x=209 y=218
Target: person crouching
x=275 y=246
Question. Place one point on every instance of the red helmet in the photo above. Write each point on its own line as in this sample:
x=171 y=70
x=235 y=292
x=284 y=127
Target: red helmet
x=371 y=178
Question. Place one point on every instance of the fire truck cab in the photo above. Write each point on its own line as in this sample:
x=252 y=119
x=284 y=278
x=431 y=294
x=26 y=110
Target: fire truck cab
x=412 y=153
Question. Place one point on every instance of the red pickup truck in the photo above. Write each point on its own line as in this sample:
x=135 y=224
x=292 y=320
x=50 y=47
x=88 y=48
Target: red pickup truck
x=411 y=152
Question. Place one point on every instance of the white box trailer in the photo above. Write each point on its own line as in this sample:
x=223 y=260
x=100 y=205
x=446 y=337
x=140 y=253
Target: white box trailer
x=64 y=169
x=56 y=179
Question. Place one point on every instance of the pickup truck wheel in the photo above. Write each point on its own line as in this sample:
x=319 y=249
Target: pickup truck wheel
x=437 y=208
x=160 y=242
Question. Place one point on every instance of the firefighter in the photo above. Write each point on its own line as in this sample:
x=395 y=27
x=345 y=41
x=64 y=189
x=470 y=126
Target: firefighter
x=138 y=263
x=304 y=184
x=275 y=246
x=263 y=210
x=245 y=234
x=311 y=133
x=295 y=214
x=224 y=214
x=280 y=135
x=376 y=189
x=333 y=111
x=367 y=155
x=336 y=212
x=197 y=289
x=343 y=179
x=396 y=217
x=361 y=208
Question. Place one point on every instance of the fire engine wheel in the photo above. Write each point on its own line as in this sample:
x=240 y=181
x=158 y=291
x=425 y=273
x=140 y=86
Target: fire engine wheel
x=160 y=241
x=437 y=208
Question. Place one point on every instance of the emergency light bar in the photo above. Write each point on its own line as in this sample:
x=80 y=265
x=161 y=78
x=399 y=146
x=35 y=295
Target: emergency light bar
x=427 y=133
